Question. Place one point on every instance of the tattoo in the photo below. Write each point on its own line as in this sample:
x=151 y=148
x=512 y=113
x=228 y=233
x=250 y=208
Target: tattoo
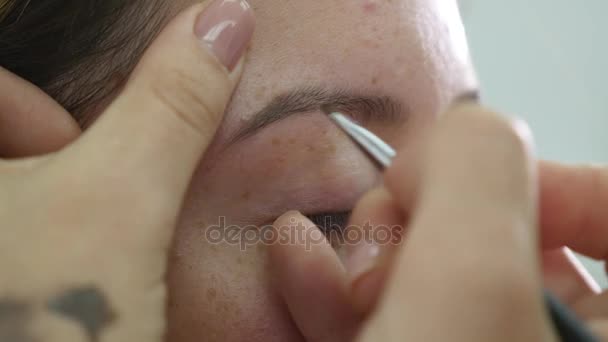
x=15 y=317
x=85 y=305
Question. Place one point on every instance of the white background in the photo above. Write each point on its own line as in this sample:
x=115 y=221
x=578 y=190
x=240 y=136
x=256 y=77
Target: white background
x=547 y=61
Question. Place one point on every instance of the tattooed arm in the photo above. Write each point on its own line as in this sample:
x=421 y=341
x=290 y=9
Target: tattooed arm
x=21 y=320
x=84 y=232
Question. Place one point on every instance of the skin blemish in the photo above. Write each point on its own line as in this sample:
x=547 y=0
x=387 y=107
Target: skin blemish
x=374 y=80
x=276 y=142
x=211 y=295
x=322 y=151
x=329 y=149
x=370 y=44
x=246 y=195
x=347 y=51
x=260 y=93
x=291 y=141
x=370 y=6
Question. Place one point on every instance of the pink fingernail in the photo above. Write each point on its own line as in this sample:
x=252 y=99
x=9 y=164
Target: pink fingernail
x=226 y=27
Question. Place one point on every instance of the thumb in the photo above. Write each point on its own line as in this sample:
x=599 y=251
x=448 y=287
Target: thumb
x=156 y=130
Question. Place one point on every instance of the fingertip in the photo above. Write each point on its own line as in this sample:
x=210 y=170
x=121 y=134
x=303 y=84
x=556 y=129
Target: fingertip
x=294 y=237
x=311 y=280
x=366 y=291
x=292 y=216
x=33 y=123
x=226 y=27
x=368 y=262
x=378 y=207
x=402 y=180
x=379 y=222
x=572 y=202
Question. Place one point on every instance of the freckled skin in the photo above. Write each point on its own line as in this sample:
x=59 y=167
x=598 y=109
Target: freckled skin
x=396 y=48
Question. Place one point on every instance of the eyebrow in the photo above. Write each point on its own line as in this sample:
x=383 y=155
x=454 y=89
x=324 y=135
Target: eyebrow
x=361 y=107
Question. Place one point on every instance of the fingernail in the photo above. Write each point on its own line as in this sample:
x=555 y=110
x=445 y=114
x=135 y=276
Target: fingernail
x=361 y=258
x=226 y=27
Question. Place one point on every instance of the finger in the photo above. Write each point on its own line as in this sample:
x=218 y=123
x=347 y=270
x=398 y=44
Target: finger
x=593 y=307
x=154 y=133
x=573 y=208
x=312 y=280
x=31 y=123
x=474 y=230
x=565 y=276
x=571 y=205
x=600 y=328
x=369 y=259
x=407 y=169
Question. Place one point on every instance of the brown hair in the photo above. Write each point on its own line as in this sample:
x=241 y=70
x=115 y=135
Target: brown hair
x=78 y=51
x=5 y=7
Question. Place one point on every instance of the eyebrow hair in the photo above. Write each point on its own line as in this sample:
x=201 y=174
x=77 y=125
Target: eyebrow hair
x=361 y=107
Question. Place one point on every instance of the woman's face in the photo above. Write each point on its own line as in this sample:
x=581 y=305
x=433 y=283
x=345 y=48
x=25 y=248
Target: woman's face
x=393 y=64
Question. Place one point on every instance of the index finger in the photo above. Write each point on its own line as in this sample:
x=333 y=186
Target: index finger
x=574 y=208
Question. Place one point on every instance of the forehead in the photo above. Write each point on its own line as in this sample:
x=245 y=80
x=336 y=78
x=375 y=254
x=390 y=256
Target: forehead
x=407 y=49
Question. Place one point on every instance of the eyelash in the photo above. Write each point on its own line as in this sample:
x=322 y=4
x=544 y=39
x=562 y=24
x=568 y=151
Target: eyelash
x=331 y=223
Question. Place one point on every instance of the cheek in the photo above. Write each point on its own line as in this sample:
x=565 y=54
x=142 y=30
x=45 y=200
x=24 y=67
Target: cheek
x=215 y=288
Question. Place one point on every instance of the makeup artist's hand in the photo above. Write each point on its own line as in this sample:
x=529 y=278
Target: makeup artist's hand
x=470 y=267
x=570 y=211
x=85 y=230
